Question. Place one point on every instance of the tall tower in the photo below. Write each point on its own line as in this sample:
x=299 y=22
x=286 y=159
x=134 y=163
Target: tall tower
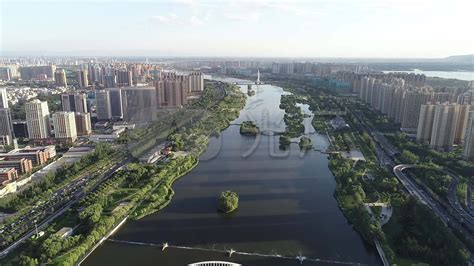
x=3 y=98
x=6 y=126
x=258 y=77
x=412 y=105
x=469 y=139
x=444 y=126
x=60 y=78
x=65 y=126
x=82 y=78
x=74 y=102
x=425 y=123
x=461 y=124
x=83 y=123
x=37 y=119
x=103 y=108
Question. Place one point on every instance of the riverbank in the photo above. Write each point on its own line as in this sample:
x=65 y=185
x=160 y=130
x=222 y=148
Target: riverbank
x=136 y=191
x=406 y=234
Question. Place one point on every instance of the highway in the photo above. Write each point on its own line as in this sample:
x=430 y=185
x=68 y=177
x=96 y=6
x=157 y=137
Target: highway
x=45 y=212
x=453 y=200
x=414 y=190
x=454 y=216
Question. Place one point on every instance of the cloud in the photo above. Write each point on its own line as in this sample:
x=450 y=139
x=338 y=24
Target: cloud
x=195 y=21
x=254 y=16
x=173 y=19
x=169 y=18
x=292 y=9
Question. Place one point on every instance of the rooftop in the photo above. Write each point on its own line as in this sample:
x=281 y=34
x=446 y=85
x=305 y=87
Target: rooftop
x=6 y=170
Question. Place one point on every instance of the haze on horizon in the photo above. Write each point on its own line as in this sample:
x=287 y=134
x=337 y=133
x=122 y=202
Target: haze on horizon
x=263 y=28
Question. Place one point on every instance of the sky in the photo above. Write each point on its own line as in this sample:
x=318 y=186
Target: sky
x=260 y=28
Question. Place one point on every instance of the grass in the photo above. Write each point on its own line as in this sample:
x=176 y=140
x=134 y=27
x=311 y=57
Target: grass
x=377 y=210
x=407 y=262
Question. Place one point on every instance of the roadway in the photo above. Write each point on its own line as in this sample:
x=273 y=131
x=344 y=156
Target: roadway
x=60 y=202
x=414 y=190
x=386 y=154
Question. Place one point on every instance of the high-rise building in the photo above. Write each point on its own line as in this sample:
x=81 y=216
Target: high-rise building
x=196 y=82
x=74 y=102
x=3 y=98
x=6 y=126
x=124 y=77
x=6 y=73
x=37 y=72
x=83 y=124
x=444 y=126
x=396 y=110
x=461 y=123
x=65 y=126
x=172 y=90
x=139 y=104
x=469 y=138
x=425 y=124
x=110 y=81
x=412 y=105
x=466 y=97
x=103 y=107
x=20 y=129
x=82 y=78
x=60 y=78
x=37 y=119
x=443 y=97
x=116 y=104
x=275 y=68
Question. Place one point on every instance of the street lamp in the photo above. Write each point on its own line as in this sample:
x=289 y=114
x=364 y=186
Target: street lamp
x=36 y=227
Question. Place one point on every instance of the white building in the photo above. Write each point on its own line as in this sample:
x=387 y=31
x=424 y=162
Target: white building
x=3 y=98
x=37 y=119
x=65 y=126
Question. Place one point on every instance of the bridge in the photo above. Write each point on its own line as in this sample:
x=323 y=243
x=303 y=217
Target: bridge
x=300 y=258
x=214 y=263
x=257 y=82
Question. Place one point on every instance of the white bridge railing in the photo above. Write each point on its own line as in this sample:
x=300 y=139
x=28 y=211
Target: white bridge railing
x=214 y=263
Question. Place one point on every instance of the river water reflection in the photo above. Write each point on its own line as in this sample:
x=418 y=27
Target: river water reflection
x=286 y=205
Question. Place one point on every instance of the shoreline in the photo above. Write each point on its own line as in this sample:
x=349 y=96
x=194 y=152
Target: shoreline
x=131 y=210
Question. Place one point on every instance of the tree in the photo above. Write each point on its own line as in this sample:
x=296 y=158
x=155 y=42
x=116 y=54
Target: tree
x=228 y=201
x=409 y=157
x=27 y=261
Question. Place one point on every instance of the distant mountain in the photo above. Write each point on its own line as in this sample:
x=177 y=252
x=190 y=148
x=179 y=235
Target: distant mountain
x=460 y=59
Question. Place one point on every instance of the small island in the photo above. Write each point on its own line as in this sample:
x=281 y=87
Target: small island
x=305 y=143
x=228 y=201
x=249 y=128
x=285 y=140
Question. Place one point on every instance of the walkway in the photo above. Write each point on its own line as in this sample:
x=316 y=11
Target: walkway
x=299 y=258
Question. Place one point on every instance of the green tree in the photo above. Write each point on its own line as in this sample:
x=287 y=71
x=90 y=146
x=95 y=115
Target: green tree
x=27 y=261
x=409 y=157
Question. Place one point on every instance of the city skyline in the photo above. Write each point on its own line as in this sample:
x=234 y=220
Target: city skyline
x=355 y=29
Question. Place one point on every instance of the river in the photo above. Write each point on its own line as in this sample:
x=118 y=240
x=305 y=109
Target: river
x=286 y=207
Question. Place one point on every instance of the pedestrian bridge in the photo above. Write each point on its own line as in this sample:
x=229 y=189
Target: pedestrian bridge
x=300 y=258
x=214 y=263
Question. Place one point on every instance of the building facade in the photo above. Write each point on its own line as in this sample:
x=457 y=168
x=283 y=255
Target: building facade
x=65 y=126
x=83 y=124
x=469 y=138
x=37 y=119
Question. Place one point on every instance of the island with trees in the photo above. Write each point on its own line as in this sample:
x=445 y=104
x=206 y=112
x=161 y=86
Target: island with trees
x=305 y=143
x=228 y=201
x=249 y=128
x=293 y=115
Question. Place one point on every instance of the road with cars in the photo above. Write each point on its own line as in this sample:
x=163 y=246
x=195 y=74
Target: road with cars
x=454 y=216
x=45 y=212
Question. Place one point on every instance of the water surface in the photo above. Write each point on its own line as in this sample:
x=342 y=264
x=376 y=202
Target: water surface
x=287 y=207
